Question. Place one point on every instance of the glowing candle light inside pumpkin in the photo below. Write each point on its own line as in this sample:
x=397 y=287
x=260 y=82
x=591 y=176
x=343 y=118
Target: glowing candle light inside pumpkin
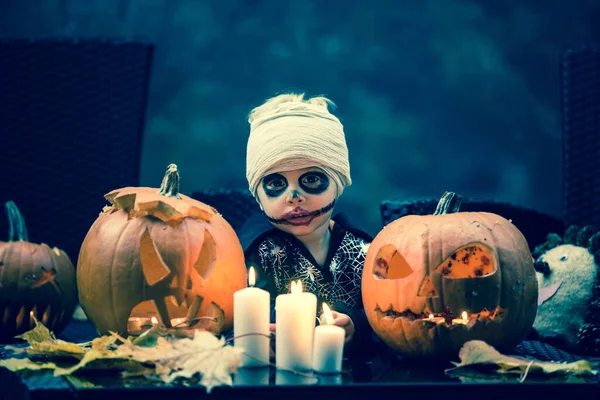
x=437 y=320
x=251 y=311
x=137 y=325
x=179 y=322
x=328 y=345
x=461 y=321
x=295 y=314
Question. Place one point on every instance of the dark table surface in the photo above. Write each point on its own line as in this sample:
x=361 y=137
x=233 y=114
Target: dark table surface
x=386 y=374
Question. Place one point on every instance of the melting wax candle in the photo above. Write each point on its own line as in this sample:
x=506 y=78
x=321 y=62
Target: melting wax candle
x=461 y=321
x=328 y=345
x=436 y=320
x=296 y=314
x=251 y=323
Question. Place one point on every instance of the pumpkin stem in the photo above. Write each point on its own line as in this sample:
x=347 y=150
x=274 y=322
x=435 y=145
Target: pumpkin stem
x=448 y=204
x=17 y=230
x=170 y=183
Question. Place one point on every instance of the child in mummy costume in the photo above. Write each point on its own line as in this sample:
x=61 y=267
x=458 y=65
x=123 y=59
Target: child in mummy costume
x=297 y=167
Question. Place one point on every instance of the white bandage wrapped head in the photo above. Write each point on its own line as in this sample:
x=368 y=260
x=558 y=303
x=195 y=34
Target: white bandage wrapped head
x=289 y=132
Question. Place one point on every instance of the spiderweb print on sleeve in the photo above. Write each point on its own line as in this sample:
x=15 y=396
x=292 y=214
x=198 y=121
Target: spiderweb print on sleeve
x=285 y=263
x=346 y=268
x=273 y=256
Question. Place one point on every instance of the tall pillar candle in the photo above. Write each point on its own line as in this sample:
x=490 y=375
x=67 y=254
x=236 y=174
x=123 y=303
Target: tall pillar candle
x=251 y=309
x=296 y=315
x=329 y=345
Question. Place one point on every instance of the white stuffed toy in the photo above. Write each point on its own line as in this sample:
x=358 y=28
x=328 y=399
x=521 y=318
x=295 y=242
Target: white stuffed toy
x=568 y=315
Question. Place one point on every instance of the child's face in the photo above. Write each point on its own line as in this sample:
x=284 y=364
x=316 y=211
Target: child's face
x=299 y=201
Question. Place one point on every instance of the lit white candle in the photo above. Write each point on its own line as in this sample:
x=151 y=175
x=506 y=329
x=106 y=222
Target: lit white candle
x=251 y=318
x=137 y=325
x=296 y=314
x=437 y=320
x=329 y=345
x=461 y=321
x=179 y=323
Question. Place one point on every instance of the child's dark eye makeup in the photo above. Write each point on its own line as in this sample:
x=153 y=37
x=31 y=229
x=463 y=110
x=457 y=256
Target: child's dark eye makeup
x=314 y=182
x=274 y=185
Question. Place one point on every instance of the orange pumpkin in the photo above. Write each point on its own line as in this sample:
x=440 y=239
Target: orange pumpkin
x=422 y=273
x=158 y=253
x=35 y=281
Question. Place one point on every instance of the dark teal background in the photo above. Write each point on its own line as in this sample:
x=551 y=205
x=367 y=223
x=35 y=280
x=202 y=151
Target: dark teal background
x=434 y=95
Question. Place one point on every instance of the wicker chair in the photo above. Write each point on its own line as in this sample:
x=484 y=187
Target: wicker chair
x=72 y=118
x=580 y=89
x=235 y=205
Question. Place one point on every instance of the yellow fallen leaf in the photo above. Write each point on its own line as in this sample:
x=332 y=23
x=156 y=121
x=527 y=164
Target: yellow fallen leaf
x=38 y=334
x=477 y=352
x=159 y=355
x=19 y=364
x=43 y=342
x=57 y=349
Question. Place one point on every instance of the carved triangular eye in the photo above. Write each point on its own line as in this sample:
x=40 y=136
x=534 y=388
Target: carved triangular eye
x=153 y=265
x=474 y=260
x=390 y=264
x=207 y=257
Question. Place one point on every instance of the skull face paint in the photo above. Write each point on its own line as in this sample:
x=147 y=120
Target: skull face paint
x=298 y=201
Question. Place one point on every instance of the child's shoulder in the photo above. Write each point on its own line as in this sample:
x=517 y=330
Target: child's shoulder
x=256 y=229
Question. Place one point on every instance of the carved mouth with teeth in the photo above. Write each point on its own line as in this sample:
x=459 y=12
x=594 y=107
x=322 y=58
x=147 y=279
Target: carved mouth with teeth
x=461 y=295
x=447 y=316
x=431 y=283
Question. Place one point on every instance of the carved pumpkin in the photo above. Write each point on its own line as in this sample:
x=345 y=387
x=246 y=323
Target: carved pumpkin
x=158 y=253
x=422 y=273
x=35 y=281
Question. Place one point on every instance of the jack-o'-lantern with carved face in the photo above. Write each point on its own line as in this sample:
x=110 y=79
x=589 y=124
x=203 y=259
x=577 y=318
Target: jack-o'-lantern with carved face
x=158 y=253
x=36 y=282
x=431 y=283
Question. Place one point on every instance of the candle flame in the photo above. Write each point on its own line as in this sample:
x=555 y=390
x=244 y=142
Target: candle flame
x=430 y=316
x=251 y=277
x=465 y=316
x=154 y=320
x=296 y=287
x=327 y=317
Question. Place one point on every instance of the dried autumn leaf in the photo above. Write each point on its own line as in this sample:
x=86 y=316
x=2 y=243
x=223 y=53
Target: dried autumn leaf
x=38 y=334
x=162 y=355
x=57 y=349
x=18 y=364
x=101 y=359
x=43 y=342
x=204 y=355
x=477 y=352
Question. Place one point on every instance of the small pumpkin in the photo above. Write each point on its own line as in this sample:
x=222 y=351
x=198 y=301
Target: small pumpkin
x=35 y=281
x=422 y=272
x=158 y=253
